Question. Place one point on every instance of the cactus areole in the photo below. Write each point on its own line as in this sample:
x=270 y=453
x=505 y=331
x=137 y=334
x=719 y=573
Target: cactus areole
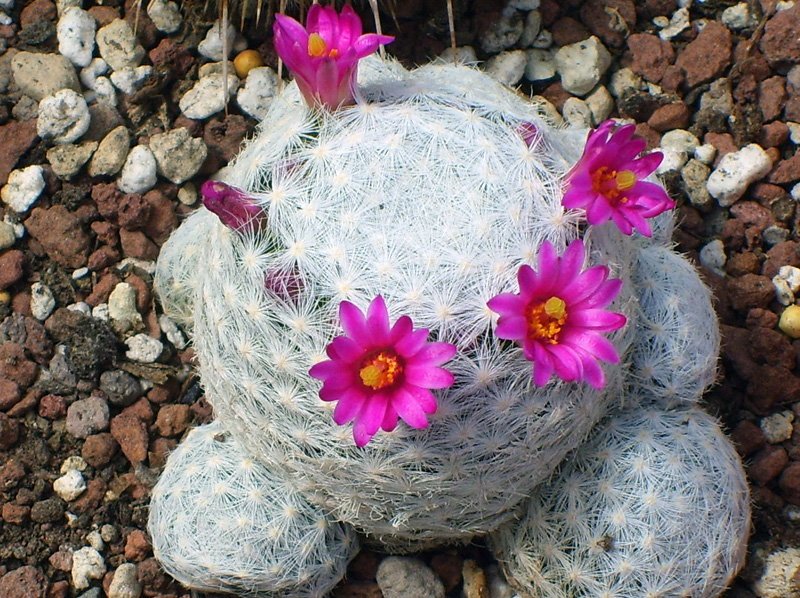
x=413 y=301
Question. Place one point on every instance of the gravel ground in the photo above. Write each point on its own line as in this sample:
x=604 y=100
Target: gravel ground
x=96 y=388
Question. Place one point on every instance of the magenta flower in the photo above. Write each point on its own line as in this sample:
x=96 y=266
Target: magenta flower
x=607 y=181
x=324 y=55
x=558 y=316
x=378 y=372
x=233 y=206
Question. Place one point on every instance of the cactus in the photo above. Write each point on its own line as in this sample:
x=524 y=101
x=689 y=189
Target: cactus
x=221 y=521
x=431 y=191
x=655 y=504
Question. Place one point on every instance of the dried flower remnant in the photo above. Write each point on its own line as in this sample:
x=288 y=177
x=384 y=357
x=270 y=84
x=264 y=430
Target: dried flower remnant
x=608 y=182
x=324 y=55
x=558 y=316
x=379 y=372
x=234 y=208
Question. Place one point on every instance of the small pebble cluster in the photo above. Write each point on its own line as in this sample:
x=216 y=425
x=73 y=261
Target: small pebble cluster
x=109 y=126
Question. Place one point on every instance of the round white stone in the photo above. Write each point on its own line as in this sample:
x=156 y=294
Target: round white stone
x=70 y=485
x=23 y=188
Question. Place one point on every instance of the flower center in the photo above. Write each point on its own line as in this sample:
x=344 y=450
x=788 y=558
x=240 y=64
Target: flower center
x=611 y=183
x=317 y=48
x=545 y=320
x=380 y=369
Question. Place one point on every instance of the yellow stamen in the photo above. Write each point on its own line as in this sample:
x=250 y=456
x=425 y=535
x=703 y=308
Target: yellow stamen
x=316 y=46
x=380 y=370
x=612 y=184
x=545 y=320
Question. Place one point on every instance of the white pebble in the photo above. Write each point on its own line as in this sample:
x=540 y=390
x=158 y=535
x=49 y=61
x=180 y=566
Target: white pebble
x=42 y=301
x=130 y=79
x=680 y=139
x=7 y=236
x=738 y=16
x=791 y=275
x=525 y=4
x=582 y=65
x=89 y=74
x=139 y=171
x=23 y=188
x=678 y=23
x=119 y=46
x=794 y=132
x=736 y=171
x=777 y=427
x=506 y=67
x=795 y=192
x=75 y=32
x=540 y=66
x=122 y=307
x=70 y=485
x=705 y=153
x=101 y=312
x=533 y=25
x=783 y=293
x=80 y=273
x=143 y=348
x=73 y=462
x=206 y=97
x=95 y=540
x=544 y=40
x=600 y=103
x=166 y=16
x=63 y=116
x=187 y=194
x=104 y=91
x=577 y=113
x=125 y=583
x=87 y=564
x=464 y=55
x=19 y=228
x=712 y=256
x=211 y=46
x=673 y=160
x=82 y=307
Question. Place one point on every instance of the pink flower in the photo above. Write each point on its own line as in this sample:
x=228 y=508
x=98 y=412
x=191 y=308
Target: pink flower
x=607 y=181
x=324 y=55
x=378 y=372
x=233 y=207
x=558 y=316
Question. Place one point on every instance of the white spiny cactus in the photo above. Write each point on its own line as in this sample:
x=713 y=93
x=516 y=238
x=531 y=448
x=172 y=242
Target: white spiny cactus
x=221 y=521
x=424 y=192
x=654 y=505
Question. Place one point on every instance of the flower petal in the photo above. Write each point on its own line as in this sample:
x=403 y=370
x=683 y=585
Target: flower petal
x=409 y=409
x=389 y=422
x=411 y=343
x=597 y=319
x=592 y=343
x=345 y=349
x=426 y=376
x=566 y=363
x=433 y=354
x=512 y=328
x=423 y=396
x=355 y=324
x=378 y=321
x=349 y=405
x=542 y=365
x=507 y=303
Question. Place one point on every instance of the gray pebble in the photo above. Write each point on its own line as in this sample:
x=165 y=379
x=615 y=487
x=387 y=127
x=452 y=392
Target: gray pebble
x=712 y=256
x=139 y=173
x=125 y=583
x=111 y=153
x=774 y=235
x=693 y=181
x=121 y=388
x=69 y=158
x=777 y=427
x=582 y=65
x=143 y=348
x=7 y=236
x=577 y=113
x=75 y=32
x=259 y=91
x=533 y=24
x=403 y=577
x=40 y=75
x=178 y=155
x=87 y=416
x=118 y=45
x=166 y=15
x=43 y=302
x=540 y=66
x=504 y=33
x=47 y=511
x=507 y=67
x=206 y=97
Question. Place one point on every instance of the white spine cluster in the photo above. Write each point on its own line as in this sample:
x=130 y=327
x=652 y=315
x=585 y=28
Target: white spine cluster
x=221 y=521
x=655 y=505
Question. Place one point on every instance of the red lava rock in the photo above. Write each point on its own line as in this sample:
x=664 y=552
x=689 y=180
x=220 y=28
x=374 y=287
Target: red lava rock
x=28 y=403
x=748 y=438
x=11 y=473
x=734 y=349
x=792 y=109
x=772 y=347
x=103 y=289
x=104 y=14
x=358 y=589
x=610 y=20
x=783 y=254
x=767 y=193
x=172 y=58
x=61 y=560
x=106 y=232
x=131 y=434
x=773 y=134
x=786 y=171
x=91 y=498
x=173 y=420
x=650 y=55
x=752 y=214
x=161 y=393
x=12 y=267
x=742 y=263
x=708 y=56
x=37 y=343
x=25 y=582
x=61 y=235
x=567 y=30
x=136 y=244
x=144 y=298
x=722 y=142
x=160 y=448
x=137 y=546
x=52 y=407
x=224 y=136
x=16 y=138
x=781 y=39
x=152 y=576
x=202 y=410
x=15 y=366
x=107 y=197
x=673 y=78
x=789 y=483
x=102 y=258
x=99 y=449
x=21 y=303
x=38 y=10
x=768 y=464
x=671 y=116
x=750 y=290
x=132 y=211
x=59 y=589
x=758 y=317
x=162 y=217
x=772 y=386
x=142 y=410
x=9 y=432
x=771 y=97
x=15 y=514
x=650 y=135
x=10 y=393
